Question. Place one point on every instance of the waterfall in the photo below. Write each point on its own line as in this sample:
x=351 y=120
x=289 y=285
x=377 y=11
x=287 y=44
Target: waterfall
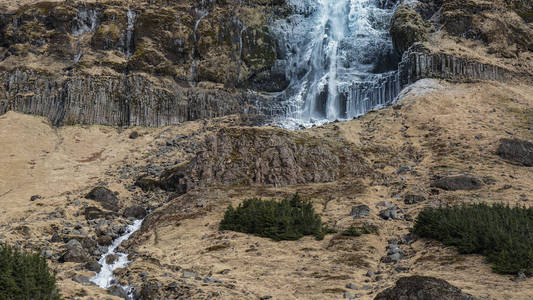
x=131 y=15
x=105 y=277
x=200 y=15
x=340 y=60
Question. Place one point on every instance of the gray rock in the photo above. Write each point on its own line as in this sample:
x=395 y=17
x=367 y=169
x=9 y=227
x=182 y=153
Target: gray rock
x=420 y=287
x=136 y=212
x=93 y=266
x=105 y=240
x=83 y=280
x=351 y=286
x=116 y=290
x=360 y=211
x=111 y=259
x=455 y=183
x=105 y=197
x=413 y=199
x=74 y=252
x=517 y=151
x=35 y=197
x=389 y=213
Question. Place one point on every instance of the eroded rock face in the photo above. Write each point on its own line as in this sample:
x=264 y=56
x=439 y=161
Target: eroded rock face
x=517 y=151
x=407 y=28
x=456 y=183
x=422 y=288
x=272 y=157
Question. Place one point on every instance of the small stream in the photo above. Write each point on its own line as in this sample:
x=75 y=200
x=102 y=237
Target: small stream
x=105 y=277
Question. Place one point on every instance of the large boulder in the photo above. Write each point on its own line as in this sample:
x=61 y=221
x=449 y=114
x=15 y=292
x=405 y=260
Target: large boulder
x=456 y=183
x=136 y=212
x=407 y=28
x=517 y=151
x=74 y=252
x=105 y=197
x=422 y=288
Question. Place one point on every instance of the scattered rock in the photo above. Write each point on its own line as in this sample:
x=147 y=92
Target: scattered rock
x=111 y=259
x=389 y=213
x=413 y=199
x=134 y=134
x=104 y=240
x=136 y=212
x=517 y=151
x=360 y=211
x=74 y=252
x=147 y=183
x=456 y=183
x=105 y=197
x=421 y=288
x=116 y=290
x=93 y=266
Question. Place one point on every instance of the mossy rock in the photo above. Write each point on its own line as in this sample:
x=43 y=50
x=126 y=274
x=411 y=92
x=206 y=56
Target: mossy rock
x=408 y=28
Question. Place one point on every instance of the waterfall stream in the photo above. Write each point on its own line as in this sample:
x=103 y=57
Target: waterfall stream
x=340 y=60
x=105 y=277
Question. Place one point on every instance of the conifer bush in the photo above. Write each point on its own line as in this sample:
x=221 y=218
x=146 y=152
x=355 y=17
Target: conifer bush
x=288 y=219
x=504 y=235
x=24 y=276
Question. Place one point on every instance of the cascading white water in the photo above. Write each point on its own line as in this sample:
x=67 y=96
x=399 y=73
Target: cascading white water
x=340 y=60
x=105 y=277
x=131 y=15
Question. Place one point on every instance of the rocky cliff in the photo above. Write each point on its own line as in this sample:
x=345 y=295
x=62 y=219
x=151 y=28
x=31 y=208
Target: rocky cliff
x=159 y=63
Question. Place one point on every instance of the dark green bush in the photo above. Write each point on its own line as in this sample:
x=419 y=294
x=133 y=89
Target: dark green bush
x=288 y=219
x=504 y=235
x=25 y=276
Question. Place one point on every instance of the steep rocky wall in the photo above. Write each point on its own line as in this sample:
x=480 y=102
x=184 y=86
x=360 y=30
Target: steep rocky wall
x=418 y=65
x=114 y=100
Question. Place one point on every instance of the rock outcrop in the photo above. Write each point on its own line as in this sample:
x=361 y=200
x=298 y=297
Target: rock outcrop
x=407 y=27
x=518 y=151
x=272 y=157
x=421 y=288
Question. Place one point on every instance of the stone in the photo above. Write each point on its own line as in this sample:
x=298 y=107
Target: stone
x=407 y=27
x=136 y=212
x=360 y=211
x=421 y=288
x=116 y=290
x=188 y=274
x=105 y=197
x=92 y=213
x=111 y=259
x=105 y=240
x=147 y=183
x=413 y=199
x=517 y=151
x=134 y=134
x=456 y=183
x=83 y=280
x=351 y=286
x=35 y=197
x=389 y=213
x=74 y=252
x=93 y=266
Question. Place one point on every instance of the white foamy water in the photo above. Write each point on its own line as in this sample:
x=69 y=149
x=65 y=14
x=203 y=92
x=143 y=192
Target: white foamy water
x=105 y=277
x=340 y=60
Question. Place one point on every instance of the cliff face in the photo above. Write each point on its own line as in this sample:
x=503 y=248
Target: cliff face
x=148 y=64
x=160 y=63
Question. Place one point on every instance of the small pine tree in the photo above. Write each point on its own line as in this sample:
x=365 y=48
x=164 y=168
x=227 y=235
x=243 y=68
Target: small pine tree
x=25 y=275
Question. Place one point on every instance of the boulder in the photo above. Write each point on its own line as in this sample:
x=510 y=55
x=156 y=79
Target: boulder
x=116 y=290
x=93 y=266
x=147 y=183
x=74 y=252
x=407 y=28
x=422 y=288
x=92 y=213
x=105 y=197
x=413 y=199
x=136 y=212
x=456 y=183
x=360 y=211
x=105 y=240
x=518 y=151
